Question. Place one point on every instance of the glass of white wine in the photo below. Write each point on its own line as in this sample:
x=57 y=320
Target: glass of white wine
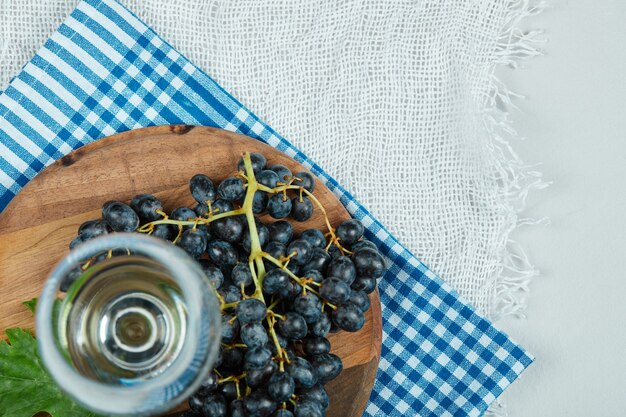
x=134 y=334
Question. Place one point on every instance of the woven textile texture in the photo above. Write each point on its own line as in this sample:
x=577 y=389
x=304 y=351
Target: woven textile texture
x=396 y=99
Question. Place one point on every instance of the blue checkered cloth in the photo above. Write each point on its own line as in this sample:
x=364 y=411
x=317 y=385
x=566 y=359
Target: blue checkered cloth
x=104 y=71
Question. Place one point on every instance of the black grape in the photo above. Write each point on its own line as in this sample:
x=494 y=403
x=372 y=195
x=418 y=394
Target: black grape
x=349 y=232
x=202 y=188
x=281 y=231
x=120 y=217
x=257 y=161
x=307 y=181
x=301 y=209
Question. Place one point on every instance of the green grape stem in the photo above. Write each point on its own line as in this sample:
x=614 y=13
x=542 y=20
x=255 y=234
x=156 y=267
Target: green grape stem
x=255 y=244
x=257 y=267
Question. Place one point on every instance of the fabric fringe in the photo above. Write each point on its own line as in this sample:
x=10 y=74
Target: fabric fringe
x=510 y=285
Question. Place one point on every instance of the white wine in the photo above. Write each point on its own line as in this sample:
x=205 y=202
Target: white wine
x=133 y=335
x=123 y=321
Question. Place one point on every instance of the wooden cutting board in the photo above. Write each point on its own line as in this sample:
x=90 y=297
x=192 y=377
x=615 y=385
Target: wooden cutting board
x=42 y=219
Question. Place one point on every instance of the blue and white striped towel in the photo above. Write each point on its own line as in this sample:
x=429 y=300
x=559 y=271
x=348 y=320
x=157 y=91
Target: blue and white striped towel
x=104 y=71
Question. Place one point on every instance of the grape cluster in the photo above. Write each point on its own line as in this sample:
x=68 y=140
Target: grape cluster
x=281 y=294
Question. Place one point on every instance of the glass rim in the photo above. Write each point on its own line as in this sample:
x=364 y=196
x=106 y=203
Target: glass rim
x=122 y=399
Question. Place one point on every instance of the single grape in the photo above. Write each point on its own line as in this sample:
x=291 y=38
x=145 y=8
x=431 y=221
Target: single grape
x=257 y=358
x=308 y=409
x=308 y=306
x=364 y=243
x=146 y=206
x=302 y=372
x=165 y=231
x=213 y=273
x=184 y=214
x=215 y=406
x=229 y=229
x=237 y=408
x=281 y=231
x=260 y=377
x=342 y=268
x=230 y=293
x=196 y=401
x=253 y=335
x=222 y=206
x=279 y=206
x=231 y=189
x=315 y=346
x=348 y=317
x=202 y=188
x=327 y=367
x=259 y=404
x=259 y=202
x=222 y=252
x=275 y=280
x=367 y=285
x=284 y=173
x=320 y=259
x=360 y=299
x=316 y=394
x=369 y=263
x=120 y=217
x=302 y=250
x=313 y=274
x=230 y=328
x=301 y=209
x=350 y=231
x=293 y=327
x=209 y=384
x=241 y=275
x=277 y=251
x=335 y=291
x=281 y=387
x=93 y=228
x=250 y=310
x=228 y=390
x=306 y=180
x=268 y=178
x=257 y=160
x=315 y=237
x=194 y=242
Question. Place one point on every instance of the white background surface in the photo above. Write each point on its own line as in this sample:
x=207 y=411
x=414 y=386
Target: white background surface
x=574 y=119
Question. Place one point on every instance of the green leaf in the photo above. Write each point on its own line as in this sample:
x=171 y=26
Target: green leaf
x=31 y=305
x=25 y=386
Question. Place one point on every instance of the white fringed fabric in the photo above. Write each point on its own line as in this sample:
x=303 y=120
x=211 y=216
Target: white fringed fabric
x=396 y=99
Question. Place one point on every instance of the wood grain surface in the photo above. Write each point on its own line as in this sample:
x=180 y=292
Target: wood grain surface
x=38 y=224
